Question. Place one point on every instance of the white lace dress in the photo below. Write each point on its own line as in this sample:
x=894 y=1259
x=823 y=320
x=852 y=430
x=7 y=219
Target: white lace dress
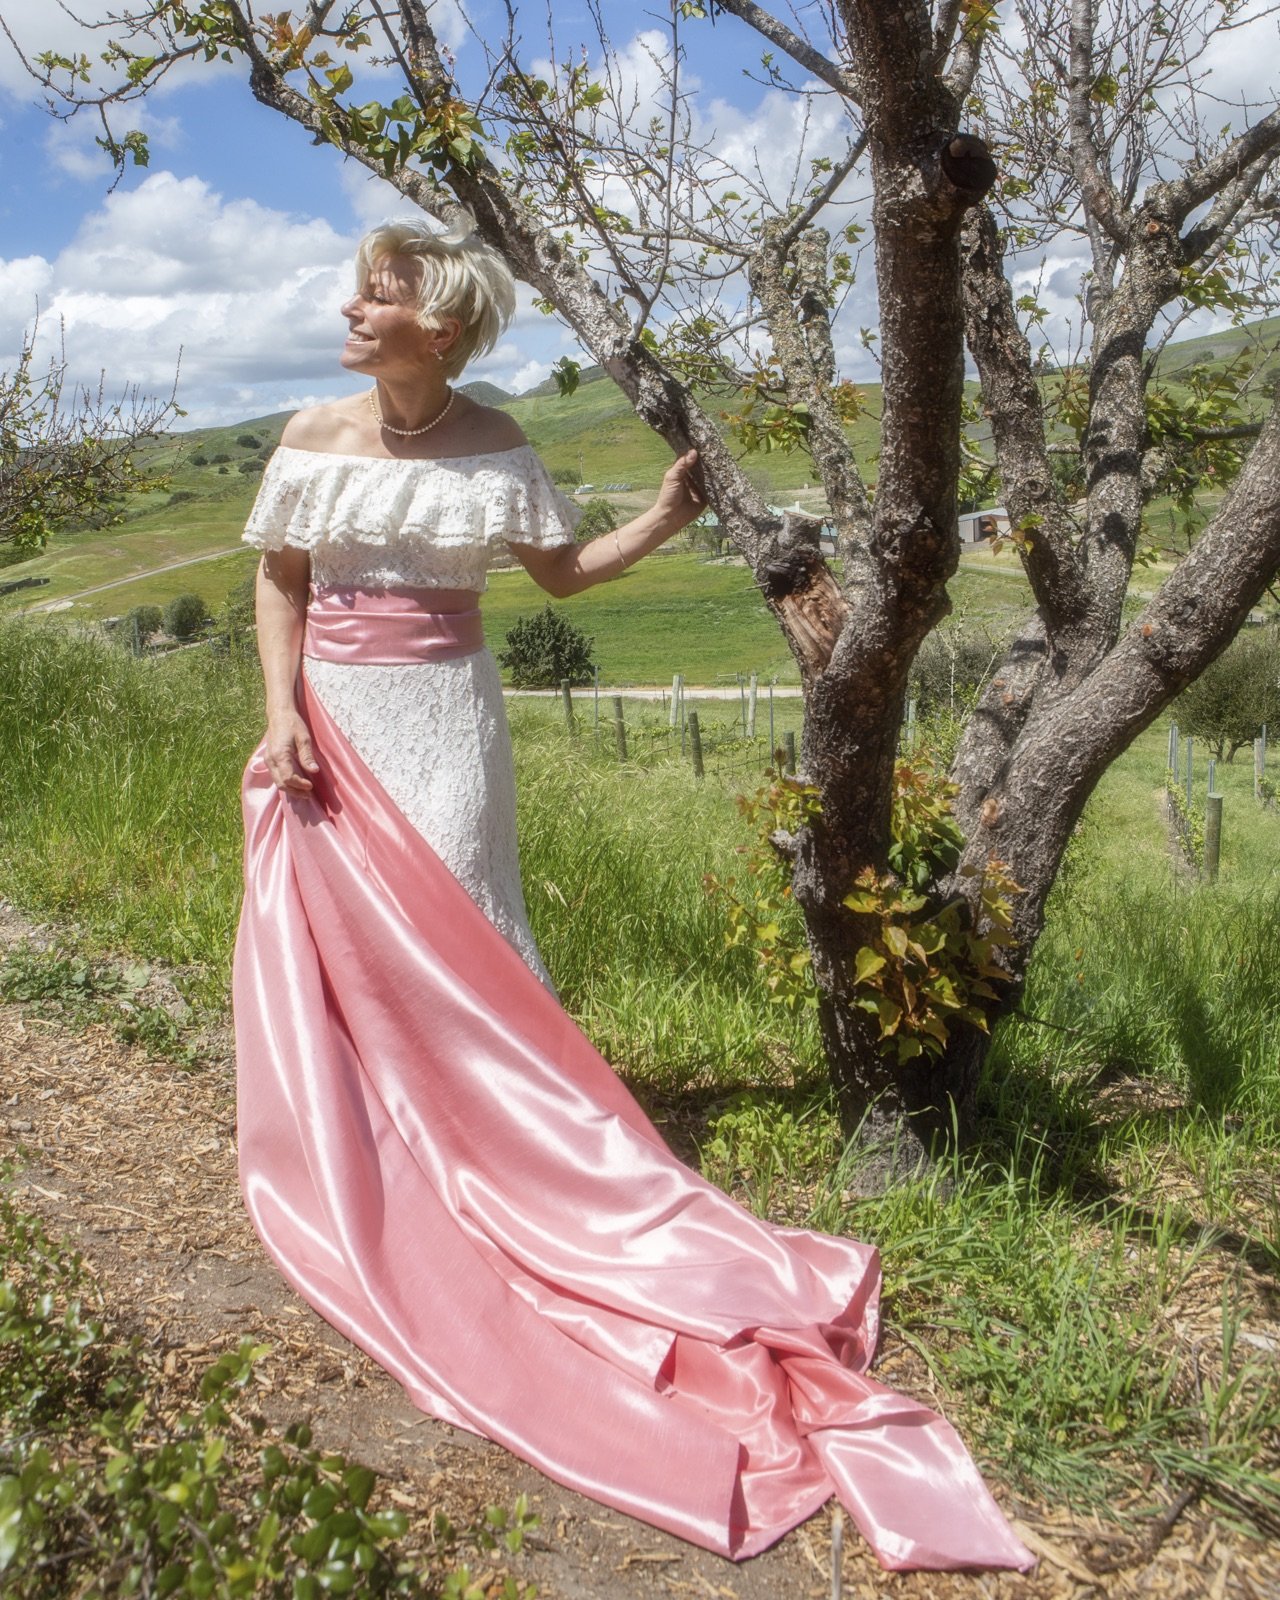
x=434 y=733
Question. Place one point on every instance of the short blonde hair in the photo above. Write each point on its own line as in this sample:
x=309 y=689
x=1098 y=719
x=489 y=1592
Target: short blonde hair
x=460 y=277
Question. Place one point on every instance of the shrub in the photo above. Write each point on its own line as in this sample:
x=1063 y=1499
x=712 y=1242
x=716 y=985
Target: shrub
x=179 y=497
x=601 y=516
x=139 y=625
x=565 y=475
x=950 y=668
x=199 y=461
x=251 y=465
x=185 y=616
x=545 y=648
x=249 y=441
x=1234 y=696
x=221 y=457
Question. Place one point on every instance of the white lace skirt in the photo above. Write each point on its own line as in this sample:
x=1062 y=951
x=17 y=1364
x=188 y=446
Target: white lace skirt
x=434 y=734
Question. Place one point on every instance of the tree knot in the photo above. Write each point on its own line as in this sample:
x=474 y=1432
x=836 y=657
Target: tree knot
x=795 y=558
x=969 y=165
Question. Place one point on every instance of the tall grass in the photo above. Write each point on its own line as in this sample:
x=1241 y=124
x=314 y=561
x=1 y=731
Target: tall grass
x=121 y=814
x=120 y=780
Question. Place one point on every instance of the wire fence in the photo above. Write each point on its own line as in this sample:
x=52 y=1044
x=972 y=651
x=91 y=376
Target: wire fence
x=730 y=735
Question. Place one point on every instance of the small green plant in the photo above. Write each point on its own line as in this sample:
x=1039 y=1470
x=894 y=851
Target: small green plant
x=761 y=1149
x=546 y=648
x=926 y=966
x=926 y=969
x=1188 y=820
x=75 y=989
x=762 y=912
x=107 y=1489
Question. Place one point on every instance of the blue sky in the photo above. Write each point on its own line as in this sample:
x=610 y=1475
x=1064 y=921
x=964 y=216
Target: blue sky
x=234 y=246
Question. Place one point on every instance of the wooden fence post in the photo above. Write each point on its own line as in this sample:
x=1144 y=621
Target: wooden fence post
x=595 y=704
x=773 y=749
x=677 y=687
x=568 y=704
x=619 y=727
x=1189 y=742
x=1259 y=768
x=1212 y=836
x=751 y=705
x=695 y=744
x=789 y=740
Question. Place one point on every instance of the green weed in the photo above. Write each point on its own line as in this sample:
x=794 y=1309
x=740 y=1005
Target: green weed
x=106 y=1489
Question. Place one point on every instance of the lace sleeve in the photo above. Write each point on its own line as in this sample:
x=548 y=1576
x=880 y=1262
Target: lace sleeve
x=539 y=514
x=271 y=519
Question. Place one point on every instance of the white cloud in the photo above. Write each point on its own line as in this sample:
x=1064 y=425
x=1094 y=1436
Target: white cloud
x=247 y=298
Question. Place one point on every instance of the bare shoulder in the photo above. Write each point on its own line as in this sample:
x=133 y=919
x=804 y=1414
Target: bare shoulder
x=482 y=430
x=333 y=427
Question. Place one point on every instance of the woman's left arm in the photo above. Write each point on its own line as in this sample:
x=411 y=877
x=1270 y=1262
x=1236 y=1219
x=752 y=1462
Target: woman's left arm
x=569 y=568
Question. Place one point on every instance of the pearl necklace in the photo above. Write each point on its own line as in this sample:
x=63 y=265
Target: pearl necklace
x=411 y=433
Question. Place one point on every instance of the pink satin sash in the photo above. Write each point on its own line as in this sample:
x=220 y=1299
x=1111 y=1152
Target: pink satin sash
x=387 y=626
x=443 y=1165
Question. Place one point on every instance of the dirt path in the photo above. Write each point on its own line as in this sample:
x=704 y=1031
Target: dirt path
x=64 y=600
x=133 y=1160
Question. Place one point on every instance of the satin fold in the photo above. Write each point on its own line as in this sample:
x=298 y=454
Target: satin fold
x=388 y=627
x=438 y=1159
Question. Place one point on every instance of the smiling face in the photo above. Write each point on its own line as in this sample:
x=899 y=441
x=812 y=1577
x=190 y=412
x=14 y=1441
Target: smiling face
x=384 y=337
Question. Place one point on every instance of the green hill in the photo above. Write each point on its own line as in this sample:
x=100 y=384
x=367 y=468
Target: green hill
x=485 y=394
x=592 y=436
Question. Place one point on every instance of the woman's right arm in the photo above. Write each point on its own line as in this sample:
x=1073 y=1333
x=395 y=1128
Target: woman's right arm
x=280 y=598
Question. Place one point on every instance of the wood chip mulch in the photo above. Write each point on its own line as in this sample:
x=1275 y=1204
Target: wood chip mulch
x=132 y=1160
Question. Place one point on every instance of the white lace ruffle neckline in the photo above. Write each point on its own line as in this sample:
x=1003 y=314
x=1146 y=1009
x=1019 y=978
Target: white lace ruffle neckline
x=310 y=498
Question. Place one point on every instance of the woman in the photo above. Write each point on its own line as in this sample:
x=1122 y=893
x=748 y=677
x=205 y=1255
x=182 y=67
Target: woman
x=431 y=1151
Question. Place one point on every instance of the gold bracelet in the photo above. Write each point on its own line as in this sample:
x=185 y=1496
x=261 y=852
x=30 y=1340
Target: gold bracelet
x=617 y=545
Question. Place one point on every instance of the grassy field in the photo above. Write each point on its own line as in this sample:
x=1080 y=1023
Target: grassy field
x=676 y=612
x=212 y=475
x=1123 y=1185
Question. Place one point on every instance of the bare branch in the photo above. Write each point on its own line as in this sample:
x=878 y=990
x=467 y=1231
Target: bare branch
x=1248 y=156
x=1100 y=198
x=1012 y=401
x=828 y=191
x=800 y=50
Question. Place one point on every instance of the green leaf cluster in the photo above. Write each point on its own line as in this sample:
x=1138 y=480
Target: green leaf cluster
x=105 y=1490
x=761 y=910
x=1188 y=820
x=923 y=967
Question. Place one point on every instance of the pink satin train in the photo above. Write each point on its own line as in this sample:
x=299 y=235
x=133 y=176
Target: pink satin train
x=440 y=1162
